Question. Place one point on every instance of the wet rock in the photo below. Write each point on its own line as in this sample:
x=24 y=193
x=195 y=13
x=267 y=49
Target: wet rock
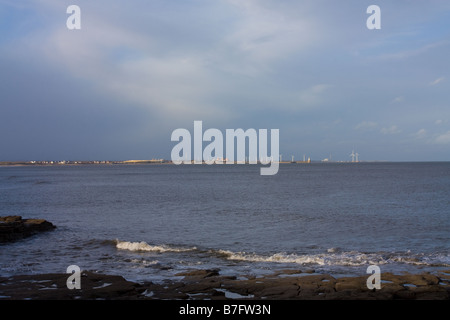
x=355 y=283
x=10 y=219
x=54 y=287
x=199 y=273
x=313 y=283
x=14 y=228
x=208 y=284
x=281 y=292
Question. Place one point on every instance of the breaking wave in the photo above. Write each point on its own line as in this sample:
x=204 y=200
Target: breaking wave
x=144 y=246
x=335 y=258
x=331 y=257
x=277 y=257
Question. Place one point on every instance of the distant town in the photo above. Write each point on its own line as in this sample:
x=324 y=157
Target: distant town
x=66 y=162
x=134 y=162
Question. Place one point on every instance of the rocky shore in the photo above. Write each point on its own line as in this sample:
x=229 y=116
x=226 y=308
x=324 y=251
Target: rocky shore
x=211 y=285
x=14 y=228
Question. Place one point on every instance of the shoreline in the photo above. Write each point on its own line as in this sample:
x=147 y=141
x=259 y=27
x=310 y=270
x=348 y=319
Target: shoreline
x=209 y=284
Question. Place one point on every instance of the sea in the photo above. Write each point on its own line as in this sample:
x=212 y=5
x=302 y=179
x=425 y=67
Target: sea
x=151 y=222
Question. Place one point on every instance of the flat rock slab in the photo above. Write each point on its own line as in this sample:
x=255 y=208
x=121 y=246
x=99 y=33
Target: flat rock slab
x=53 y=286
x=209 y=284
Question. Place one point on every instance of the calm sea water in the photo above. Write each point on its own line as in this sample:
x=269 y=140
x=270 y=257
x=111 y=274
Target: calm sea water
x=150 y=222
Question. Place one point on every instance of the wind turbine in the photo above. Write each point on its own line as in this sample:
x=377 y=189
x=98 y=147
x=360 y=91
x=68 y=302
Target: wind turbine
x=353 y=155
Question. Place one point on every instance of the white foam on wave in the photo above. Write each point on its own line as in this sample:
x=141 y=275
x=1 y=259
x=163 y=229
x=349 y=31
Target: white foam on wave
x=277 y=257
x=145 y=262
x=144 y=246
x=331 y=258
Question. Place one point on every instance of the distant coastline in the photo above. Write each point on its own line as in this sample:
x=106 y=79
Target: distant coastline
x=85 y=162
x=164 y=161
x=134 y=162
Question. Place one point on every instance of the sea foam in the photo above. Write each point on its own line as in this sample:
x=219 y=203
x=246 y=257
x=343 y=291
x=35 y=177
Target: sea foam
x=332 y=256
x=144 y=246
x=277 y=257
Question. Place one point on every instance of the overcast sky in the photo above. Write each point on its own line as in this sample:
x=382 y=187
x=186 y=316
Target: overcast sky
x=137 y=70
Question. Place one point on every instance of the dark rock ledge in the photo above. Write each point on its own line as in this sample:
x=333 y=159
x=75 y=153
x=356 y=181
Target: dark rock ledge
x=210 y=285
x=14 y=228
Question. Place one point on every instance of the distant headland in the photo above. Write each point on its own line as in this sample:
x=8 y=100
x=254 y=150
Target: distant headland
x=152 y=161
x=84 y=162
